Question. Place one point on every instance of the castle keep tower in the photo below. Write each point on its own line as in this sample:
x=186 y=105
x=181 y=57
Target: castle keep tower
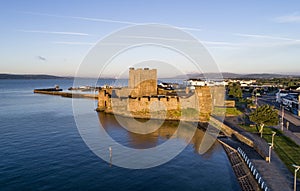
x=142 y=82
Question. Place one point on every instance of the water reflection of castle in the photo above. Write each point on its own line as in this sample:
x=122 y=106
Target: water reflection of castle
x=142 y=98
x=143 y=141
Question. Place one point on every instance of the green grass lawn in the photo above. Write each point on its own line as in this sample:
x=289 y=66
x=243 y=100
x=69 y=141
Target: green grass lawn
x=251 y=129
x=286 y=149
x=229 y=111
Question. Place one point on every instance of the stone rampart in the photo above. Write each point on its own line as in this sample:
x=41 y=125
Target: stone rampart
x=109 y=100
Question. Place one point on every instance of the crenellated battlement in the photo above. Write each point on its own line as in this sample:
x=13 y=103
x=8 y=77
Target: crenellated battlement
x=140 y=97
x=201 y=100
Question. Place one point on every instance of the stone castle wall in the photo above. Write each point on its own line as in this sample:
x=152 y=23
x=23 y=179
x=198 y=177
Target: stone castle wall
x=202 y=101
x=140 y=98
x=104 y=99
x=204 y=98
x=153 y=103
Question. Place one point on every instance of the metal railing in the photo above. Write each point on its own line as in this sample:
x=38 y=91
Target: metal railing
x=253 y=170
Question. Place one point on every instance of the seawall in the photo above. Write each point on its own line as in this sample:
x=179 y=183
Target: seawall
x=240 y=168
x=261 y=147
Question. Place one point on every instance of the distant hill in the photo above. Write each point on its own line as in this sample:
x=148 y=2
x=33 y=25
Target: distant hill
x=227 y=75
x=269 y=76
x=224 y=75
x=29 y=76
x=209 y=75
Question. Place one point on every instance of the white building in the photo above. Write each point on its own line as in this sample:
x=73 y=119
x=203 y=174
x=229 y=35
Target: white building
x=290 y=100
x=244 y=83
x=194 y=82
x=191 y=83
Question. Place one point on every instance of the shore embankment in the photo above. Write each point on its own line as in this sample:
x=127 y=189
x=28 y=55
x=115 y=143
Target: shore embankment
x=240 y=168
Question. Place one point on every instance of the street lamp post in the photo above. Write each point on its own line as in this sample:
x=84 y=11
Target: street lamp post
x=255 y=99
x=282 y=117
x=270 y=150
x=297 y=167
x=273 y=134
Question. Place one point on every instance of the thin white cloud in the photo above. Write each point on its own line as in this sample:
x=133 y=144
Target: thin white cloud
x=221 y=43
x=189 y=29
x=157 y=38
x=276 y=42
x=269 y=40
x=74 y=43
x=226 y=45
x=106 y=20
x=102 y=20
x=288 y=41
x=291 y=18
x=210 y=44
x=223 y=47
x=55 y=32
x=269 y=37
x=83 y=18
x=88 y=43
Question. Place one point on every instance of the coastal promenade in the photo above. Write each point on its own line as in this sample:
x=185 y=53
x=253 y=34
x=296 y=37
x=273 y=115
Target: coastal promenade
x=275 y=173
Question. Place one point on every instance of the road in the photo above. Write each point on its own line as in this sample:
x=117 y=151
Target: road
x=294 y=121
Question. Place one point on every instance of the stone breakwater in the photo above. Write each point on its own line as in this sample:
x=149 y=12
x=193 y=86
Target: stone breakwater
x=66 y=94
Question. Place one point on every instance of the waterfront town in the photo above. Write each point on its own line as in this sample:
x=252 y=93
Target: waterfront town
x=150 y=95
x=258 y=119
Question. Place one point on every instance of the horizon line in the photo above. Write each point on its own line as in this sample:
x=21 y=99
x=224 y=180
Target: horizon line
x=165 y=77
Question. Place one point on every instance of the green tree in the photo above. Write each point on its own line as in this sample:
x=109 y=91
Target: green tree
x=264 y=115
x=291 y=84
x=235 y=90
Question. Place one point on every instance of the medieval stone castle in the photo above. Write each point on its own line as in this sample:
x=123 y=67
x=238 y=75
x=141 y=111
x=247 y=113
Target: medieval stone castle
x=143 y=98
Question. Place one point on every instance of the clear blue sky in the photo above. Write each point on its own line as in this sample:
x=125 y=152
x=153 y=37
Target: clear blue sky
x=52 y=37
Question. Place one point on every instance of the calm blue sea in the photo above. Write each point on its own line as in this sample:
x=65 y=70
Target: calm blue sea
x=41 y=149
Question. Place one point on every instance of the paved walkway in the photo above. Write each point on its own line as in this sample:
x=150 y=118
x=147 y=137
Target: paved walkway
x=276 y=175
